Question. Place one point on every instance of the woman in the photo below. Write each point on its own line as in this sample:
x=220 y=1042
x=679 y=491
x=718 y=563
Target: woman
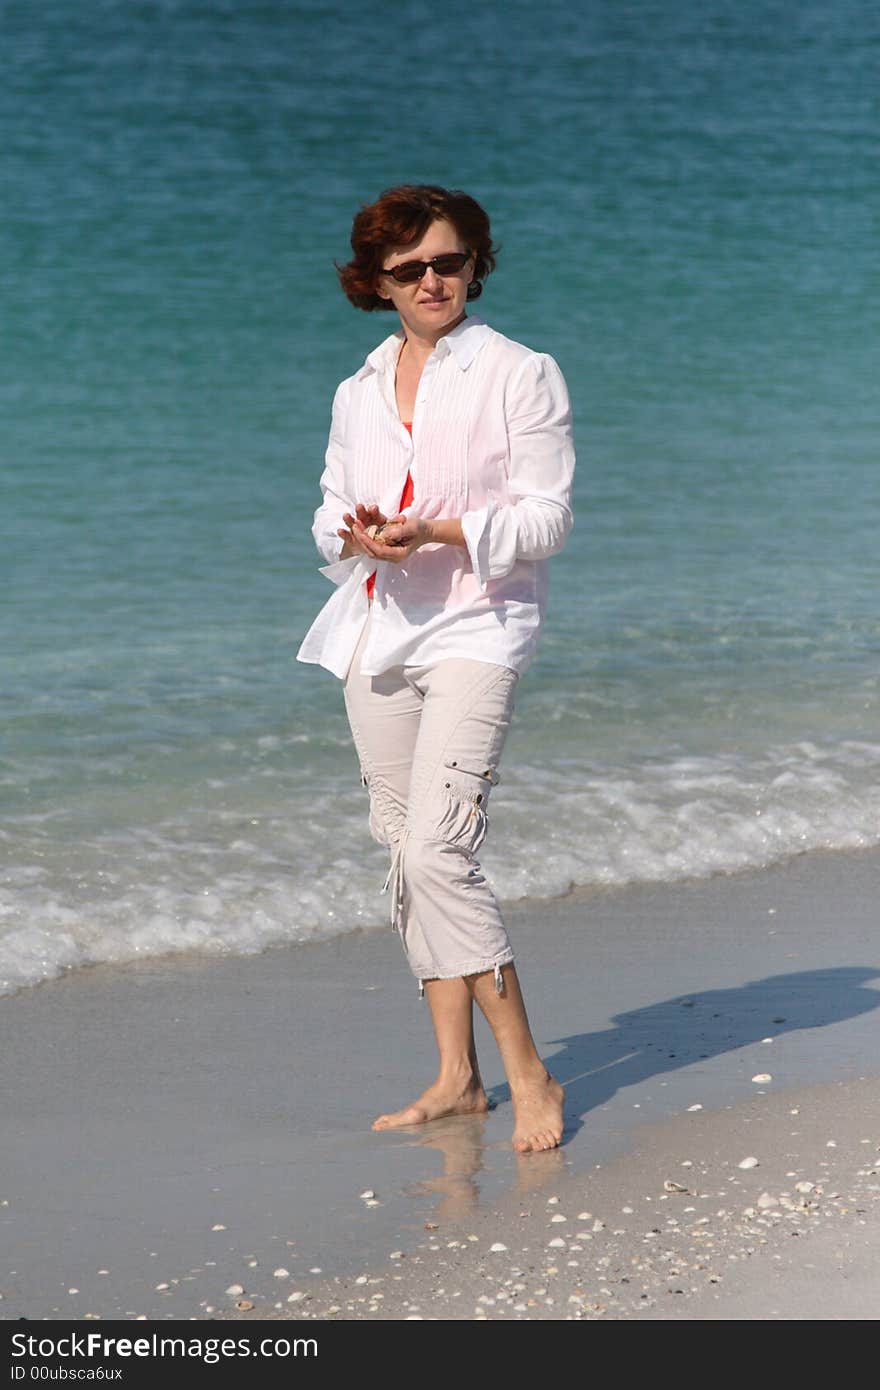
x=447 y=485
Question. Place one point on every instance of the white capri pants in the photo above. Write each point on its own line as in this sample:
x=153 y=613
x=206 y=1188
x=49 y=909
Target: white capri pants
x=429 y=739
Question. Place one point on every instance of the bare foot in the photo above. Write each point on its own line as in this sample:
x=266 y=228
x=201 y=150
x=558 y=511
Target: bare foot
x=443 y=1098
x=538 y=1110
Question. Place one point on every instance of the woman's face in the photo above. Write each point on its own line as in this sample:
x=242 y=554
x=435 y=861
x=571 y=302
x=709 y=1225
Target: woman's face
x=431 y=306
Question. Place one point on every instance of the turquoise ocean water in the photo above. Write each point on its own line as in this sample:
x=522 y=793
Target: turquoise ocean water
x=687 y=198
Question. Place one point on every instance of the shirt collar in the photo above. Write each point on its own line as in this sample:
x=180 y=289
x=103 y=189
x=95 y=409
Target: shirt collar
x=465 y=341
x=463 y=344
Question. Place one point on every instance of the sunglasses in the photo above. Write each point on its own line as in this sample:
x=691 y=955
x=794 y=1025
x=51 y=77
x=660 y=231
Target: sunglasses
x=410 y=271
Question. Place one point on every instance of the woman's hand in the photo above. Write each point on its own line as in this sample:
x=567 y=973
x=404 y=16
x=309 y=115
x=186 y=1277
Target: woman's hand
x=397 y=538
x=365 y=516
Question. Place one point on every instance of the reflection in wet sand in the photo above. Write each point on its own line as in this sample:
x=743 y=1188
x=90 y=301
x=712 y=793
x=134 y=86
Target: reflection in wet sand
x=461 y=1139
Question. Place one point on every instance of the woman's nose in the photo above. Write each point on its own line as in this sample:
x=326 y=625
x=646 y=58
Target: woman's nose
x=431 y=280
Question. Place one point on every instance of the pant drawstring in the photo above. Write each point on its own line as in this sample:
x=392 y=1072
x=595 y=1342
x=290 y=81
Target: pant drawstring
x=394 y=882
x=499 y=982
x=421 y=989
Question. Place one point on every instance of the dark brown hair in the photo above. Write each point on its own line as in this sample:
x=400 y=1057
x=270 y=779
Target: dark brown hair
x=400 y=217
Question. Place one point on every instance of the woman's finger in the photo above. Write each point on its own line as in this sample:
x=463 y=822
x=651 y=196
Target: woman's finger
x=370 y=516
x=394 y=551
x=402 y=532
x=396 y=554
x=378 y=549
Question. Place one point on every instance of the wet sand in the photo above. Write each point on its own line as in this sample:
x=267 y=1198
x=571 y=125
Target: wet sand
x=676 y=1229
x=182 y=1127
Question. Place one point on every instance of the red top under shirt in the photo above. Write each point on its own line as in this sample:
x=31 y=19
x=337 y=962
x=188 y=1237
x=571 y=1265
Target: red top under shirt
x=405 y=498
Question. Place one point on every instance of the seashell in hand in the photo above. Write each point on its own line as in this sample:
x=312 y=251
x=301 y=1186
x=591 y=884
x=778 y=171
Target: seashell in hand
x=375 y=534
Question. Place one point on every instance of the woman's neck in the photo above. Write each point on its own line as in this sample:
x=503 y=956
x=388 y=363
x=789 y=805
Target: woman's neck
x=420 y=346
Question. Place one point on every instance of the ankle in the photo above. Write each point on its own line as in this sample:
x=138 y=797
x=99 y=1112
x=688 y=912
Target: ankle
x=528 y=1077
x=460 y=1074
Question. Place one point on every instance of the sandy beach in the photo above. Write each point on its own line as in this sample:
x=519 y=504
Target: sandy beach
x=184 y=1127
x=688 y=1225
x=202 y=1006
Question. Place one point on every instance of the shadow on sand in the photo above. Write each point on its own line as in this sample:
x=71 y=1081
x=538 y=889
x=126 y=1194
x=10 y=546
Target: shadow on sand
x=645 y=1043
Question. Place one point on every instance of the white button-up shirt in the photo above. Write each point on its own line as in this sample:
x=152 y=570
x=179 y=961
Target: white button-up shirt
x=491 y=444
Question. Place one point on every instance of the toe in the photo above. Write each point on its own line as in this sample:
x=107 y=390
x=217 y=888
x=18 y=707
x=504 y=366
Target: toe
x=412 y=1115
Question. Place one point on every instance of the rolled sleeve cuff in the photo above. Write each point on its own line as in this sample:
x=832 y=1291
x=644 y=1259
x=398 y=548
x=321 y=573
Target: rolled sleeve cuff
x=333 y=548
x=329 y=545
x=490 y=543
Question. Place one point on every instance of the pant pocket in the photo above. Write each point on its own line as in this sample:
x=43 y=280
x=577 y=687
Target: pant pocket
x=465 y=795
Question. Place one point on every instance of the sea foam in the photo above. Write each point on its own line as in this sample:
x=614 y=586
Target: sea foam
x=218 y=881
